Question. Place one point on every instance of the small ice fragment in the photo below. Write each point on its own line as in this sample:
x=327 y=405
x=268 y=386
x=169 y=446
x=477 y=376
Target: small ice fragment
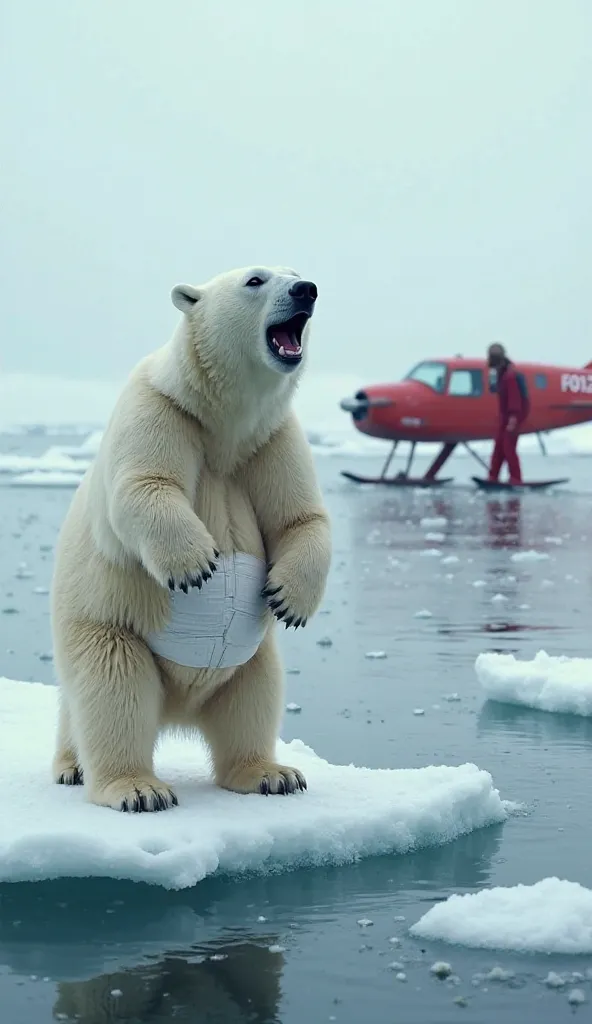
x=435 y=538
x=423 y=614
x=219 y=956
x=40 y=590
x=325 y=641
x=365 y=922
x=450 y=560
x=529 y=556
x=576 y=997
x=293 y=707
x=277 y=949
x=396 y=965
x=498 y=973
x=554 y=980
x=499 y=598
x=433 y=522
x=418 y=711
x=401 y=976
x=524 y=607
x=399 y=917
x=553 y=540
x=394 y=940
x=261 y=919
x=441 y=969
x=461 y=1001
x=547 y=584
x=431 y=553
x=451 y=697
x=375 y=655
x=479 y=583
x=116 y=993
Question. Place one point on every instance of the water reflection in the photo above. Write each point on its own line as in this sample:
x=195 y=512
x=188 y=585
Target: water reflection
x=223 y=982
x=504 y=523
x=537 y=726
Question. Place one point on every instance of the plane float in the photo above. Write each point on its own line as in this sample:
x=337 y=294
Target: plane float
x=451 y=402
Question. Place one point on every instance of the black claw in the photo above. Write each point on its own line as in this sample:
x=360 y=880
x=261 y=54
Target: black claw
x=216 y=553
x=289 y=621
x=174 y=800
x=304 y=621
x=206 y=576
x=264 y=787
x=195 y=581
x=297 y=623
x=183 y=586
x=270 y=566
x=269 y=591
x=212 y=566
x=276 y=603
x=124 y=805
x=171 y=583
x=281 y=786
x=280 y=613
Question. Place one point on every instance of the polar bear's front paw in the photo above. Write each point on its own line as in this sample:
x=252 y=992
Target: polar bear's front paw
x=135 y=794
x=265 y=778
x=290 y=597
x=194 y=578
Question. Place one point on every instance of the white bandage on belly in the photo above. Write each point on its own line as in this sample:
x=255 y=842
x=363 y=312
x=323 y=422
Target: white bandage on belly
x=221 y=625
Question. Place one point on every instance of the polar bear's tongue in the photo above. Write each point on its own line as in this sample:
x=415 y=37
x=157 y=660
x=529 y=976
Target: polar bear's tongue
x=283 y=339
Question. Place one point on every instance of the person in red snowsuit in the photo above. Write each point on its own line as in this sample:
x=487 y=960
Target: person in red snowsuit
x=513 y=410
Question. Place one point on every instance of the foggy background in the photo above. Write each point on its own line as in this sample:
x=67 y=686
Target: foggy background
x=428 y=164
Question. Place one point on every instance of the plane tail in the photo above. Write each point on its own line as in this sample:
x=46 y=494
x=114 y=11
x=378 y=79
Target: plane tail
x=588 y=366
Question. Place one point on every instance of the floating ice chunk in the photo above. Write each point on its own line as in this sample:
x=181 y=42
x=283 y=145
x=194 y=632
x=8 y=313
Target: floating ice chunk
x=38 y=478
x=479 y=583
x=433 y=522
x=576 y=997
x=529 y=556
x=552 y=916
x=295 y=708
x=418 y=711
x=451 y=697
x=559 y=684
x=553 y=540
x=431 y=553
x=325 y=641
x=441 y=969
x=435 y=538
x=450 y=560
x=347 y=813
x=423 y=614
x=375 y=655
x=554 y=980
x=499 y=599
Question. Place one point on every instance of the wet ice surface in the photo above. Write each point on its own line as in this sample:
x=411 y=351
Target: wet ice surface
x=333 y=944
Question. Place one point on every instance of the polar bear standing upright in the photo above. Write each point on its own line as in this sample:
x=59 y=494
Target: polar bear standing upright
x=204 y=479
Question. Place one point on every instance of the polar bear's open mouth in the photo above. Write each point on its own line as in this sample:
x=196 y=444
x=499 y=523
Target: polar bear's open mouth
x=285 y=340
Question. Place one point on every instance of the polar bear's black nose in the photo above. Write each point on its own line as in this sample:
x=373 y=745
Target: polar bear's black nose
x=306 y=290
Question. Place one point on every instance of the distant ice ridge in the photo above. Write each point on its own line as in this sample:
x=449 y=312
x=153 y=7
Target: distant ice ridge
x=548 y=683
x=551 y=916
x=51 y=831
x=28 y=400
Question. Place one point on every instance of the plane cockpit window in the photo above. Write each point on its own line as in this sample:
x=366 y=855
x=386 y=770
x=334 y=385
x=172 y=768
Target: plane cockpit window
x=466 y=383
x=431 y=374
x=540 y=381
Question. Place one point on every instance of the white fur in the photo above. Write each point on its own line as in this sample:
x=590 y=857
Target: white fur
x=202 y=454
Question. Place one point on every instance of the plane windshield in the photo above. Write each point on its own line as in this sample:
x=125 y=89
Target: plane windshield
x=431 y=374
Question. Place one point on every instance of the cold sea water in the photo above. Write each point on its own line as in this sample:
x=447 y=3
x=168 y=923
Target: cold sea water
x=289 y=947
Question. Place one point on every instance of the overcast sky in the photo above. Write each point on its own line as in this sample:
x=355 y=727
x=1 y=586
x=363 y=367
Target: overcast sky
x=428 y=163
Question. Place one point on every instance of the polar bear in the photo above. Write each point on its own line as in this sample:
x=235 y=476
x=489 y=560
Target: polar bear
x=203 y=473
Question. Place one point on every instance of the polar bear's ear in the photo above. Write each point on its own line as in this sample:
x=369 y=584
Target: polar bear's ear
x=184 y=297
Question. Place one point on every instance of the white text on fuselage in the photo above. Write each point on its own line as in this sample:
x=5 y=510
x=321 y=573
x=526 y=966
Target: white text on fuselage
x=577 y=383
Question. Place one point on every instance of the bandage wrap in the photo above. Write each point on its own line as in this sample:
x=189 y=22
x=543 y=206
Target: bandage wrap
x=221 y=625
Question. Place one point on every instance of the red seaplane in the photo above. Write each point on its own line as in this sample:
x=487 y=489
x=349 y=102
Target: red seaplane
x=452 y=402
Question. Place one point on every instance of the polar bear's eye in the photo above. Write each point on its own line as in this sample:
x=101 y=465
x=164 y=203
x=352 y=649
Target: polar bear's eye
x=254 y=282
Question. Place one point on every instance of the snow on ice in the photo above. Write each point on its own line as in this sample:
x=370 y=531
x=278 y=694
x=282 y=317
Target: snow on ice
x=551 y=916
x=51 y=831
x=548 y=683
